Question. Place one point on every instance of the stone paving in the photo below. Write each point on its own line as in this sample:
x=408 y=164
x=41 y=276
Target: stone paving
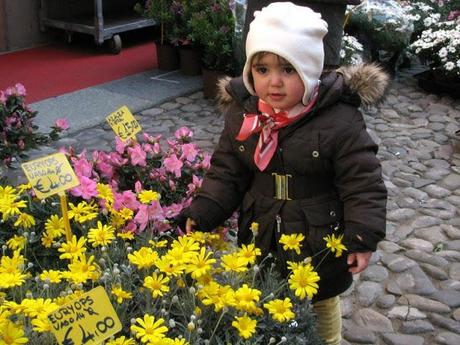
x=410 y=293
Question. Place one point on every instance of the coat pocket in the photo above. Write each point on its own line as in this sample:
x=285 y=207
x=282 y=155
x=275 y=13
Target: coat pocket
x=323 y=218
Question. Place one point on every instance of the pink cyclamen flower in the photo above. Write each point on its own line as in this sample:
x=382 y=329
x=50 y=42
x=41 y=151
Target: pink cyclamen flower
x=61 y=124
x=189 y=152
x=20 y=89
x=206 y=163
x=82 y=167
x=120 y=145
x=86 y=189
x=3 y=97
x=137 y=155
x=148 y=213
x=173 y=165
x=183 y=133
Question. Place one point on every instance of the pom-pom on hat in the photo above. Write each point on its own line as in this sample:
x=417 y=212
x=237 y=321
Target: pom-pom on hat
x=293 y=32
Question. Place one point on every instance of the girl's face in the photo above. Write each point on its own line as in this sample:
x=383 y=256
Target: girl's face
x=276 y=82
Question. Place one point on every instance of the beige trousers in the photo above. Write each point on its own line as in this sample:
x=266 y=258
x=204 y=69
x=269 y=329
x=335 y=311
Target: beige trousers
x=329 y=320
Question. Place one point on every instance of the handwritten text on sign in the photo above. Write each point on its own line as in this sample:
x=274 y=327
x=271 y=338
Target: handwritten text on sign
x=50 y=175
x=123 y=123
x=89 y=319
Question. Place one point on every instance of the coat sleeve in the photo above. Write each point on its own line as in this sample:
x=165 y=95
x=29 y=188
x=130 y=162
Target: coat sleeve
x=358 y=179
x=224 y=185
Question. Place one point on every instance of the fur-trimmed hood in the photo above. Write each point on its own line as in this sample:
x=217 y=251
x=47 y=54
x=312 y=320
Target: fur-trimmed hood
x=364 y=84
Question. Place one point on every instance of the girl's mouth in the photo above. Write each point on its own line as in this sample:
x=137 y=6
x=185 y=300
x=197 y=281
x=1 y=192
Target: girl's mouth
x=276 y=96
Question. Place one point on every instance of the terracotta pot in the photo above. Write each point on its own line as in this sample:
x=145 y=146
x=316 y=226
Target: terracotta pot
x=210 y=79
x=190 y=61
x=167 y=57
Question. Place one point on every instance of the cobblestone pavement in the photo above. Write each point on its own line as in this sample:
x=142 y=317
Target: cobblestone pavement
x=410 y=294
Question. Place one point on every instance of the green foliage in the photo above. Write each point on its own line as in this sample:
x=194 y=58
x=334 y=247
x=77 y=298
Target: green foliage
x=213 y=29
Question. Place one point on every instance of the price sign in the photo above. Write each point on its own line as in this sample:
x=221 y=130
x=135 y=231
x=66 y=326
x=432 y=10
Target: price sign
x=50 y=175
x=89 y=319
x=123 y=123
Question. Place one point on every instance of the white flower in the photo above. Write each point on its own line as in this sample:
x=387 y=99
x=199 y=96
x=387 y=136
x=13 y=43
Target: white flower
x=442 y=52
x=451 y=49
x=427 y=21
x=458 y=63
x=449 y=66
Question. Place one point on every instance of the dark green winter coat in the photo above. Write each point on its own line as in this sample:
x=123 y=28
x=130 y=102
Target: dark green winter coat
x=335 y=178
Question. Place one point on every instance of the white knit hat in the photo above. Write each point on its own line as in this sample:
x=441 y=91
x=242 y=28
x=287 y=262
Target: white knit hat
x=292 y=32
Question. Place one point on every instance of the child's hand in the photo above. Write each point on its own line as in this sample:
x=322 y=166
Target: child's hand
x=190 y=225
x=358 y=261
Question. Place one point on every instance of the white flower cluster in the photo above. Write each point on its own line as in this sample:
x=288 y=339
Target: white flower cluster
x=422 y=15
x=350 y=52
x=440 y=47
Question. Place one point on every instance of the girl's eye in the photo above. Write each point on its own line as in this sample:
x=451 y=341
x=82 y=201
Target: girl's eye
x=289 y=70
x=261 y=69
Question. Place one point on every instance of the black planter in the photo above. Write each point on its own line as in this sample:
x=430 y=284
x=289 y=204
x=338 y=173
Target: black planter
x=190 y=61
x=167 y=57
x=210 y=80
x=430 y=83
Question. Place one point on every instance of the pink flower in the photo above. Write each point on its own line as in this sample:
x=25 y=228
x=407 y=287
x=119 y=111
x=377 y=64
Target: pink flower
x=148 y=213
x=173 y=165
x=137 y=155
x=3 y=97
x=82 y=167
x=206 y=163
x=172 y=210
x=126 y=199
x=138 y=186
x=105 y=169
x=119 y=145
x=196 y=183
x=61 y=124
x=189 y=152
x=184 y=133
x=117 y=160
x=86 y=189
x=20 y=89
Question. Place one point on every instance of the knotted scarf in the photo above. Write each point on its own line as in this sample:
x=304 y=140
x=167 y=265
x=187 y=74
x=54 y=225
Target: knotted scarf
x=268 y=122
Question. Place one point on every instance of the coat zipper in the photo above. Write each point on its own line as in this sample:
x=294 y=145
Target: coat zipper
x=278 y=223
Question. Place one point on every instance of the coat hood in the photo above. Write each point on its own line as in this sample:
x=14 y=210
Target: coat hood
x=364 y=84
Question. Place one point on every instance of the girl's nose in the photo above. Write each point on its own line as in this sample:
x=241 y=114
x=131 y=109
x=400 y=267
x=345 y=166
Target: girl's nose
x=276 y=79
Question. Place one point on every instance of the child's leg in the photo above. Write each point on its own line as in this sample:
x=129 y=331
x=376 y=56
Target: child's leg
x=329 y=320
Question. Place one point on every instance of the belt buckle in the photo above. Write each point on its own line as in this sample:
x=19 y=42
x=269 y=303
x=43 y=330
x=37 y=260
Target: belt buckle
x=281 y=186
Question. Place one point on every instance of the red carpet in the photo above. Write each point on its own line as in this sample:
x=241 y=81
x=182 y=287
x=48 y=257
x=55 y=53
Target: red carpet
x=54 y=70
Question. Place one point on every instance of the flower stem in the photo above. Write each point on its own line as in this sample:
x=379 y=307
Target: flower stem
x=217 y=325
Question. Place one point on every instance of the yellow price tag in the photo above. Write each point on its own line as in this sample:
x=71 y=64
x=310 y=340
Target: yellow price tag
x=123 y=123
x=50 y=175
x=89 y=319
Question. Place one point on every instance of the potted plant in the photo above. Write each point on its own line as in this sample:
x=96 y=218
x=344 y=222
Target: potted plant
x=384 y=27
x=213 y=29
x=439 y=47
x=161 y=12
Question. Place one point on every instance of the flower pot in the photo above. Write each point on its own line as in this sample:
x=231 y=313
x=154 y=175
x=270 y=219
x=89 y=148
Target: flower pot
x=431 y=82
x=190 y=61
x=210 y=80
x=167 y=57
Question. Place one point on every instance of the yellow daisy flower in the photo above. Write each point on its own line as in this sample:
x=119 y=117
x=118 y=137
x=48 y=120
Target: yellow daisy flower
x=54 y=226
x=335 y=244
x=52 y=276
x=280 y=310
x=25 y=220
x=254 y=228
x=303 y=280
x=245 y=325
x=149 y=329
x=157 y=284
x=292 y=242
x=121 y=294
x=103 y=235
x=16 y=242
x=121 y=341
x=72 y=249
x=200 y=263
x=147 y=196
x=234 y=262
x=143 y=258
x=247 y=298
x=12 y=334
x=11 y=208
x=104 y=192
x=250 y=253
x=81 y=270
x=126 y=235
